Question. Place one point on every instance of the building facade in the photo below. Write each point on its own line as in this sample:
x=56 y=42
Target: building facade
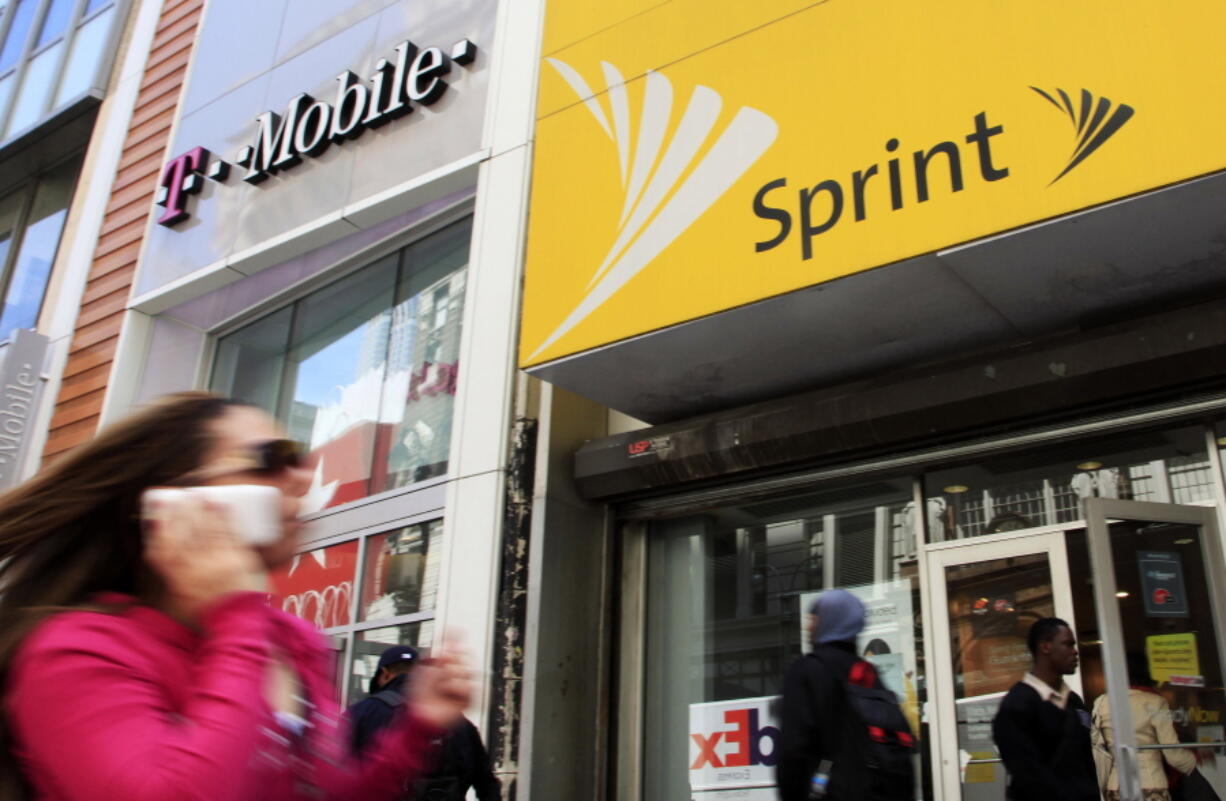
x=312 y=207
x=899 y=299
x=60 y=92
x=921 y=302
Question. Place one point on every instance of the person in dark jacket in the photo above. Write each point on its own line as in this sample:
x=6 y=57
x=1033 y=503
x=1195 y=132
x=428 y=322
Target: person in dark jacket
x=814 y=696
x=463 y=761
x=1042 y=728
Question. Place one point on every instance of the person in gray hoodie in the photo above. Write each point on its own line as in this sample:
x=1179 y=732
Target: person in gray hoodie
x=813 y=725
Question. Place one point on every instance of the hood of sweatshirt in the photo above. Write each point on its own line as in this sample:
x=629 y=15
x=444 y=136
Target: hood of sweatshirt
x=840 y=617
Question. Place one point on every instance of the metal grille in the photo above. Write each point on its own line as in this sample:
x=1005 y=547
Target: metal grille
x=971 y=522
x=855 y=558
x=1022 y=500
x=1191 y=479
x=1144 y=487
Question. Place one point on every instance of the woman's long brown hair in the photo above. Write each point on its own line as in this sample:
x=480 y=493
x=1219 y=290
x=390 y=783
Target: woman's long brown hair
x=74 y=529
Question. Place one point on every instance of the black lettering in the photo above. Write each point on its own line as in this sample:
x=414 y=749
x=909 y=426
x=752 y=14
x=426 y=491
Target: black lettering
x=351 y=99
x=980 y=138
x=921 y=168
x=311 y=138
x=895 y=177
x=425 y=83
x=398 y=104
x=859 y=179
x=807 y=229
x=771 y=213
x=380 y=95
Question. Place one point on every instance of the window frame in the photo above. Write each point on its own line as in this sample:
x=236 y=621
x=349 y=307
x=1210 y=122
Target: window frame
x=296 y=292
x=30 y=49
x=29 y=185
x=634 y=518
x=344 y=637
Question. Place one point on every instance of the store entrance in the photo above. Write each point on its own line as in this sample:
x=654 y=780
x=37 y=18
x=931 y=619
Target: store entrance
x=1139 y=588
x=1158 y=597
x=984 y=596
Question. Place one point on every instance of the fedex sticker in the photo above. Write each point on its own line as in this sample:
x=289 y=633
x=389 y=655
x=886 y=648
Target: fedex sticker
x=733 y=743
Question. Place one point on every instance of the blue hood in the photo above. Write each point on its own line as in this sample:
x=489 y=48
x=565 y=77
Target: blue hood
x=840 y=617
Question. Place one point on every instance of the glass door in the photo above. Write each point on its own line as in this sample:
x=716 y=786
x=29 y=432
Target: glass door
x=1158 y=593
x=984 y=598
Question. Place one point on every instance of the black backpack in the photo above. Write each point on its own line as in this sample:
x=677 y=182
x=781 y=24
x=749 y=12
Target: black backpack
x=874 y=762
x=444 y=783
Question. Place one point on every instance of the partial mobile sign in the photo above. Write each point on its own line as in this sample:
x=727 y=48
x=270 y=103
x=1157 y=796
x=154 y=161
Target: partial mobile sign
x=20 y=386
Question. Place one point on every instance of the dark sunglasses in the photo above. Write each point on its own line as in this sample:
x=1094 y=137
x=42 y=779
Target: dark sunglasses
x=268 y=458
x=275 y=455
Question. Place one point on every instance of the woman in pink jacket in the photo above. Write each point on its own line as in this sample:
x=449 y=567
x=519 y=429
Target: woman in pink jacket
x=140 y=659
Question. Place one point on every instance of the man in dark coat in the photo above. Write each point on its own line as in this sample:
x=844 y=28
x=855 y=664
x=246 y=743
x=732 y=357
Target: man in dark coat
x=814 y=696
x=1042 y=728
x=463 y=761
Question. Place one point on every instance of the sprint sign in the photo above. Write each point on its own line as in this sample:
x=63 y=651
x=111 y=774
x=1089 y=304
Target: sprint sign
x=733 y=743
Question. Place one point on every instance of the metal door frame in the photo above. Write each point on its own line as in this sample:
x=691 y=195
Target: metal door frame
x=1097 y=512
x=946 y=758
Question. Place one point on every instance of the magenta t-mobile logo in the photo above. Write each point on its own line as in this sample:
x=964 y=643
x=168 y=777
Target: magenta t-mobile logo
x=181 y=177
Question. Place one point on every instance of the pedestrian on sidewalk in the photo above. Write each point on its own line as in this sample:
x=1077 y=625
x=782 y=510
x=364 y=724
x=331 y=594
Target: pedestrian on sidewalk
x=1042 y=729
x=139 y=657
x=463 y=761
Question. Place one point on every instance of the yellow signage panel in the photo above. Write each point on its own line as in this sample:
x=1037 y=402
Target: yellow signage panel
x=704 y=154
x=1172 y=655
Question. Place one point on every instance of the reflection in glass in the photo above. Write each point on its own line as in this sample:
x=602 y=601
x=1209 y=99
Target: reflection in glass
x=370 y=643
x=727 y=594
x=19 y=30
x=1171 y=637
x=334 y=374
x=35 y=93
x=41 y=239
x=317 y=586
x=94 y=5
x=250 y=362
x=1046 y=487
x=55 y=22
x=423 y=357
x=367 y=375
x=992 y=605
x=81 y=71
x=401 y=574
x=10 y=208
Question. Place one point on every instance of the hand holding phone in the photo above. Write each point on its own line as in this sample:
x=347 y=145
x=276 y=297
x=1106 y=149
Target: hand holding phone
x=193 y=545
x=253 y=510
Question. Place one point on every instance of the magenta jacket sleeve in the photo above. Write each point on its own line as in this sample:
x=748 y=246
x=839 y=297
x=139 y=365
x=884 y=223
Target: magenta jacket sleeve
x=402 y=752
x=92 y=723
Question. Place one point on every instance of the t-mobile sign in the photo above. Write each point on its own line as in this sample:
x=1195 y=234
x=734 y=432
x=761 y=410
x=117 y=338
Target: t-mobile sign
x=307 y=127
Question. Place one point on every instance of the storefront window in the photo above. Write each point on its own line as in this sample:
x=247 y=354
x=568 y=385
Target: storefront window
x=372 y=642
x=398 y=590
x=401 y=575
x=727 y=596
x=364 y=370
x=317 y=586
x=31 y=221
x=54 y=51
x=1046 y=486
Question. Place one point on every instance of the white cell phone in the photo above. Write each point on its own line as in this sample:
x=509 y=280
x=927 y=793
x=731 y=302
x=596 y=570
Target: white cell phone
x=254 y=510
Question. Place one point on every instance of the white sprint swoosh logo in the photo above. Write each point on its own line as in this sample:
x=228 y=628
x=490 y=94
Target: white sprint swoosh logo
x=656 y=210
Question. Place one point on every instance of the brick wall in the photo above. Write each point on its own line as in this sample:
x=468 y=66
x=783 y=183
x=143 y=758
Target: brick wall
x=92 y=352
